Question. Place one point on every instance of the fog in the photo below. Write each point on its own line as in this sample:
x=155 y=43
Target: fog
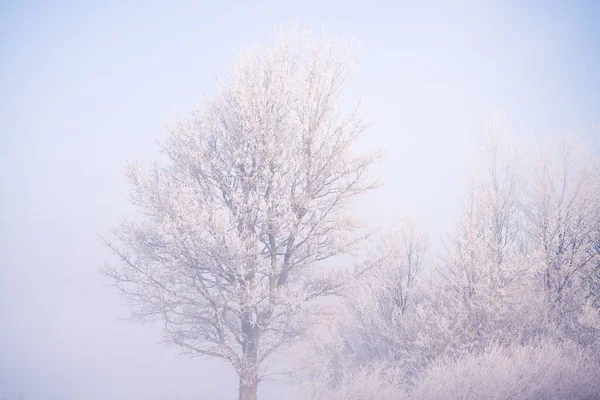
x=83 y=89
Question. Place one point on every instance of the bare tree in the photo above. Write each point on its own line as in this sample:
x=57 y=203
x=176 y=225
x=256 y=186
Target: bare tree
x=253 y=198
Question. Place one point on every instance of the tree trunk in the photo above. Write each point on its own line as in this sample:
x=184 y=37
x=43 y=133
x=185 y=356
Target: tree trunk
x=249 y=371
x=248 y=388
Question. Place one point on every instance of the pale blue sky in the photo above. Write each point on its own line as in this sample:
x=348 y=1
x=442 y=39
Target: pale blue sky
x=85 y=87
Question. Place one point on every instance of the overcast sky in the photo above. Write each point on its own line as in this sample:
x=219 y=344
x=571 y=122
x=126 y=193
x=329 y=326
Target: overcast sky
x=83 y=88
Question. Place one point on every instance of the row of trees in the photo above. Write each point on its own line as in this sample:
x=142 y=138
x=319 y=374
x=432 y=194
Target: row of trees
x=521 y=266
x=235 y=230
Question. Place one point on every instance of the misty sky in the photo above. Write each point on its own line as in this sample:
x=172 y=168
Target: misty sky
x=83 y=88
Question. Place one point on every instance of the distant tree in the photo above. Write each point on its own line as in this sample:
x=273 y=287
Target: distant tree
x=486 y=266
x=563 y=212
x=485 y=250
x=371 y=321
x=519 y=272
x=592 y=280
x=254 y=197
x=403 y=248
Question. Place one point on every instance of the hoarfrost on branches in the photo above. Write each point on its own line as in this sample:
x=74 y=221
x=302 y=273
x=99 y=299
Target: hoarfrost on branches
x=253 y=198
x=517 y=280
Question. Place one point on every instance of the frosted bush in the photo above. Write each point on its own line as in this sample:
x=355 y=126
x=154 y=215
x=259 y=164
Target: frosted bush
x=539 y=371
x=376 y=381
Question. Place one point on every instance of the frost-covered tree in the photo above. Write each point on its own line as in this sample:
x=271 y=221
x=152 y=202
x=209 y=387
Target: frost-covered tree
x=486 y=265
x=379 y=305
x=254 y=196
x=374 y=322
x=563 y=214
x=403 y=248
x=487 y=245
x=592 y=280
